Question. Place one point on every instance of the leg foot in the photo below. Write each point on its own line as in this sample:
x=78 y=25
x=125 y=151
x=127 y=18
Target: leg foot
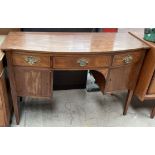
x=152 y=112
x=128 y=101
x=20 y=99
x=16 y=110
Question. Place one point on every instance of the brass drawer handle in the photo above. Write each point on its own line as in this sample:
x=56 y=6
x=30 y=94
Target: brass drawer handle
x=128 y=59
x=82 y=62
x=31 y=60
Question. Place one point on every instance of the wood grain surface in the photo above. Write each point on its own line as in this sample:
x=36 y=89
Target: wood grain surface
x=35 y=82
x=71 y=61
x=71 y=42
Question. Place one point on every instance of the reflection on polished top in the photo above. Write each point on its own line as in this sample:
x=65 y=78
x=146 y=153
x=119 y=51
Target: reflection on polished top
x=58 y=42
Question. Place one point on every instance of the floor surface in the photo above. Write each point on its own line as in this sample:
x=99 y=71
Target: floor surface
x=81 y=108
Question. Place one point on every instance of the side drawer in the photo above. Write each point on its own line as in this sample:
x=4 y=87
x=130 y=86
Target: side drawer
x=81 y=62
x=29 y=59
x=127 y=58
x=151 y=89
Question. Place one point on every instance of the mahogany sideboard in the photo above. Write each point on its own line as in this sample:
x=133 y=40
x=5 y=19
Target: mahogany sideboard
x=145 y=89
x=115 y=60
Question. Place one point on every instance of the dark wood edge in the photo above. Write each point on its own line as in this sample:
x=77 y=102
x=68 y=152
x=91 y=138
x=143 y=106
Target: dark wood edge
x=74 y=53
x=149 y=97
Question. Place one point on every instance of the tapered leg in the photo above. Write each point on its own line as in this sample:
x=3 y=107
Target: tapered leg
x=16 y=110
x=153 y=112
x=13 y=87
x=128 y=101
x=20 y=99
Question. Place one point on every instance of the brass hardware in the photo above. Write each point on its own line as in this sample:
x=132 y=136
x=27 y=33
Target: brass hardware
x=82 y=62
x=31 y=60
x=128 y=59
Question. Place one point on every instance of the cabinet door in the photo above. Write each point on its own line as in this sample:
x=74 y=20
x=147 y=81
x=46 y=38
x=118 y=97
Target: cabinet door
x=33 y=82
x=122 y=78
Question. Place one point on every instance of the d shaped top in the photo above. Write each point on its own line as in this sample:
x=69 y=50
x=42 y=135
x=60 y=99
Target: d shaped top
x=67 y=42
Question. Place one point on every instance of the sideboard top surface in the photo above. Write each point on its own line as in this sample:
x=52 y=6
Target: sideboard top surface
x=140 y=36
x=67 y=42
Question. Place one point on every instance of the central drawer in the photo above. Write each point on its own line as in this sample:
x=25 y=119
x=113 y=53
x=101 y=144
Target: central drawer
x=81 y=62
x=30 y=60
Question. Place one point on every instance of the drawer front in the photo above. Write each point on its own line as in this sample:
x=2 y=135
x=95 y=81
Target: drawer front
x=30 y=60
x=81 y=62
x=151 y=89
x=2 y=121
x=127 y=58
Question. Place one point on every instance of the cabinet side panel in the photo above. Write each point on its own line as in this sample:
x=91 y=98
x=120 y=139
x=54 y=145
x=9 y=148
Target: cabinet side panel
x=146 y=74
x=6 y=104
